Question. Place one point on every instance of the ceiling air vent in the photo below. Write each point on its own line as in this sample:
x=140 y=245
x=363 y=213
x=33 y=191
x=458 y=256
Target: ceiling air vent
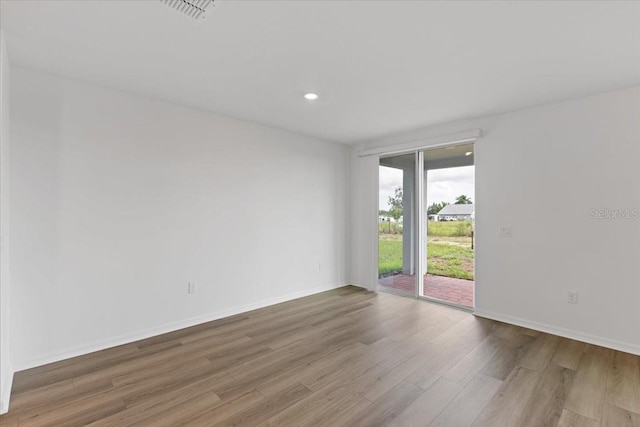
x=192 y=8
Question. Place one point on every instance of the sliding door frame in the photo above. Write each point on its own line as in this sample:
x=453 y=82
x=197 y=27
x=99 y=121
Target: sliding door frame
x=420 y=248
x=418 y=226
x=421 y=228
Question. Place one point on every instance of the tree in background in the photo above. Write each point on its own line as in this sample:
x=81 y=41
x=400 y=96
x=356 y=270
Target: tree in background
x=436 y=207
x=463 y=200
x=395 y=203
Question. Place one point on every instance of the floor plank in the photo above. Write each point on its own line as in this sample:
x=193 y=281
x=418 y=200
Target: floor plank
x=467 y=405
x=540 y=352
x=346 y=357
x=571 y=419
x=568 y=353
x=623 y=382
x=508 y=357
x=586 y=396
x=467 y=368
x=161 y=403
x=175 y=414
x=308 y=411
x=382 y=411
x=429 y=405
x=220 y=414
x=506 y=408
x=257 y=413
x=545 y=405
x=617 y=417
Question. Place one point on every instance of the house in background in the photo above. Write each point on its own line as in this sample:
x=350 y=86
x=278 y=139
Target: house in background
x=461 y=212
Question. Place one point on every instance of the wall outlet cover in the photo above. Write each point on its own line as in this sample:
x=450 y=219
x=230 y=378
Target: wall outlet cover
x=192 y=288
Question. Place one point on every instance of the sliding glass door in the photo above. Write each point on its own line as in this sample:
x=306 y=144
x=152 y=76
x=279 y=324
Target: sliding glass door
x=426 y=224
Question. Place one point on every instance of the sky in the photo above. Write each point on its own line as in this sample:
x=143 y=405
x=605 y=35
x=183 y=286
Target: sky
x=442 y=184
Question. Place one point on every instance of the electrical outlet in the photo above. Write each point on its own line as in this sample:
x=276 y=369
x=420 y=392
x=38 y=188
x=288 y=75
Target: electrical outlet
x=505 y=231
x=573 y=297
x=192 y=288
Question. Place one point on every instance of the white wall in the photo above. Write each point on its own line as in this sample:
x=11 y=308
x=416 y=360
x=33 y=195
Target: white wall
x=6 y=372
x=542 y=171
x=119 y=201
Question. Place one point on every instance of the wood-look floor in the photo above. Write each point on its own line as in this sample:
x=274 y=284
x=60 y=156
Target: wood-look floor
x=340 y=358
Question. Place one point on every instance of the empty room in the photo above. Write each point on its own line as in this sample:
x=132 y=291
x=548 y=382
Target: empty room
x=319 y=213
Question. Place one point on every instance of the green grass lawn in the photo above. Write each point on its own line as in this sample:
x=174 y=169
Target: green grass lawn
x=451 y=259
x=389 y=254
x=434 y=228
x=444 y=259
x=449 y=228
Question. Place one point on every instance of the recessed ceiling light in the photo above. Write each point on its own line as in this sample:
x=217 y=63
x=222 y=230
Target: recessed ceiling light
x=468 y=153
x=310 y=96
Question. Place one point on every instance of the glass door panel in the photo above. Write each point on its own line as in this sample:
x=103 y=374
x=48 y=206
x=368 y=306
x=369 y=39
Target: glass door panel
x=448 y=225
x=397 y=232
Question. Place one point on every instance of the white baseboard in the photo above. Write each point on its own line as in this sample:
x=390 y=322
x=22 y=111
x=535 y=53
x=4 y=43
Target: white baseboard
x=140 y=335
x=567 y=333
x=5 y=391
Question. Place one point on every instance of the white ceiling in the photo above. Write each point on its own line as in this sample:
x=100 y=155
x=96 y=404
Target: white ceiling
x=380 y=67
